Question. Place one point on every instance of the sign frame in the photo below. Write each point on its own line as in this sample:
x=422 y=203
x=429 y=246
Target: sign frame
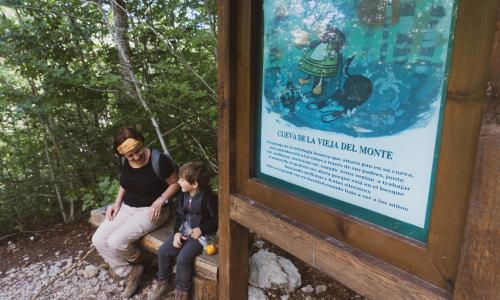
x=278 y=158
x=431 y=266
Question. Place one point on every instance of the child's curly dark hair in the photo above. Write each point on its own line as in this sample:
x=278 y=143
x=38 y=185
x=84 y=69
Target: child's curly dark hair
x=196 y=172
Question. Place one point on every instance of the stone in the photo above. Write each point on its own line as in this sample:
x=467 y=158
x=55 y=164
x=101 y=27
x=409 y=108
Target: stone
x=307 y=289
x=256 y=294
x=320 y=289
x=308 y=297
x=90 y=271
x=67 y=262
x=285 y=297
x=269 y=271
x=54 y=270
x=259 y=244
x=103 y=275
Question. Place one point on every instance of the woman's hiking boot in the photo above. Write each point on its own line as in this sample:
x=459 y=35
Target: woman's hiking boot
x=133 y=280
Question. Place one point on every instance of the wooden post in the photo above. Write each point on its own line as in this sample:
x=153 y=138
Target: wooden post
x=370 y=259
x=233 y=243
x=480 y=260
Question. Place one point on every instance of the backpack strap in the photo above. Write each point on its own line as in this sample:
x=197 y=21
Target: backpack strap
x=155 y=161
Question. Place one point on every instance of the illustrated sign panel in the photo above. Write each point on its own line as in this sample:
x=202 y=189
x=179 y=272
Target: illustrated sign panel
x=352 y=97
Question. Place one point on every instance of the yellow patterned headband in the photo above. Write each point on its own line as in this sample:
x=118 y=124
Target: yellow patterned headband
x=129 y=146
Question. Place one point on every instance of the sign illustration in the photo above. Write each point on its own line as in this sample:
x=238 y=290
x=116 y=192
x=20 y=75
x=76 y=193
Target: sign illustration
x=352 y=94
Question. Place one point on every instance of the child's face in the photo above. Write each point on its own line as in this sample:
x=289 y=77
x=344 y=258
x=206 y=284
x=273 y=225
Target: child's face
x=186 y=186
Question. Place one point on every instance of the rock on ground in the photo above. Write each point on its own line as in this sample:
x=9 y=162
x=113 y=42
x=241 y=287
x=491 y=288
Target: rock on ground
x=269 y=271
x=26 y=282
x=256 y=294
x=307 y=289
x=321 y=289
x=90 y=271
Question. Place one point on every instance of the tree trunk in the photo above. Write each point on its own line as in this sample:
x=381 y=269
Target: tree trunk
x=120 y=20
x=62 y=159
x=53 y=180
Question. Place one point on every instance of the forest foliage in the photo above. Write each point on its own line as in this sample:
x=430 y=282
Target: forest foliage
x=65 y=91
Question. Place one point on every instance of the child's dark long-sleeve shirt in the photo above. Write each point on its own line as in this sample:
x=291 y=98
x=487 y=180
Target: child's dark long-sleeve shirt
x=201 y=211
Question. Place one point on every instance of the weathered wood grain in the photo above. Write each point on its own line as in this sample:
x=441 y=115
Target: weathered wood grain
x=435 y=261
x=204 y=289
x=233 y=274
x=432 y=266
x=467 y=84
x=479 y=276
x=366 y=274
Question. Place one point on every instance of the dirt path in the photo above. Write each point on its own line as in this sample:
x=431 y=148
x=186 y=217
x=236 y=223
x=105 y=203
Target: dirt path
x=30 y=262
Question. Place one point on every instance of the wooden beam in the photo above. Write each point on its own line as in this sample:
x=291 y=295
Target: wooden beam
x=233 y=238
x=363 y=273
x=478 y=276
x=467 y=83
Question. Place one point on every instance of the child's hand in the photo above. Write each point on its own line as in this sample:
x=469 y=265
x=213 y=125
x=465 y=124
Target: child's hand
x=177 y=240
x=196 y=233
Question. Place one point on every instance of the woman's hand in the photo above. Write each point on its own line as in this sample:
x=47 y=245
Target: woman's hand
x=178 y=240
x=155 y=209
x=113 y=210
x=196 y=233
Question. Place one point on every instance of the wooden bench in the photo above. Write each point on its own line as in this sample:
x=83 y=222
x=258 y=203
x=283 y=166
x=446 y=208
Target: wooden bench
x=205 y=267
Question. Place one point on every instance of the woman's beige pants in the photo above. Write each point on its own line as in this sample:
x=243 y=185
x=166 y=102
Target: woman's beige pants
x=114 y=240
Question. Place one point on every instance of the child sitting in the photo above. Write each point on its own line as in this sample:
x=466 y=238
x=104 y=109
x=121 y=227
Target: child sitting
x=196 y=216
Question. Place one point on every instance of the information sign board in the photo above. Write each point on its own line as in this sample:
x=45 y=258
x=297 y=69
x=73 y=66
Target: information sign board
x=352 y=97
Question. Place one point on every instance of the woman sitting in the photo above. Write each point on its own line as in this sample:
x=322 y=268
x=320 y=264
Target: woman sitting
x=138 y=207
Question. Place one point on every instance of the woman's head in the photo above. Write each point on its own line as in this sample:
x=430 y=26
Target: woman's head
x=128 y=141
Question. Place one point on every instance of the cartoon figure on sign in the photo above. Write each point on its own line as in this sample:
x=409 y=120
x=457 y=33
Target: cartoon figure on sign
x=343 y=103
x=322 y=59
x=290 y=97
x=320 y=83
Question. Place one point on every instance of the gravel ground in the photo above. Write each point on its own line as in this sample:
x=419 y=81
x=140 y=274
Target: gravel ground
x=56 y=261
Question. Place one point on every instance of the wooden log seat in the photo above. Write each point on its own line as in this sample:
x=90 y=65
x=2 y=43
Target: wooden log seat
x=205 y=267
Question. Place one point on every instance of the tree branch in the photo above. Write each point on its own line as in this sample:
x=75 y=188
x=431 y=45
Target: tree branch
x=47 y=11
x=178 y=56
x=128 y=68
